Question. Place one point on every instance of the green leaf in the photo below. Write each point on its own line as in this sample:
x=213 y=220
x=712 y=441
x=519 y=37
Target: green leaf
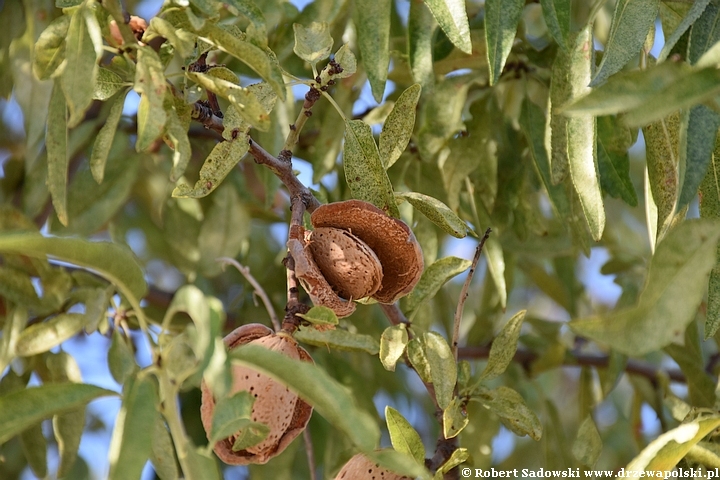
x=443 y=369
x=107 y=84
x=699 y=134
x=224 y=231
x=163 y=456
x=346 y=59
x=668 y=449
x=83 y=50
x=398 y=126
x=105 y=137
x=373 y=38
x=230 y=414
x=262 y=61
x=392 y=345
x=626 y=91
x=222 y=159
x=696 y=9
x=176 y=131
x=705 y=32
x=501 y=21
x=364 y=171
x=581 y=143
x=338 y=340
x=24 y=408
x=121 y=359
x=41 y=337
x=510 y=407
x=182 y=40
x=560 y=93
x=34 y=447
x=418 y=359
x=504 y=347
x=330 y=399
x=432 y=279
x=113 y=262
x=420 y=30
x=662 y=145
x=588 y=444
x=313 y=43
x=319 y=315
x=458 y=457
x=675 y=286
x=250 y=434
x=437 y=212
x=56 y=139
x=710 y=208
x=455 y=418
x=14 y=323
x=403 y=436
x=132 y=436
x=557 y=18
x=243 y=99
x=49 y=51
x=453 y=19
x=614 y=161
x=630 y=25
x=235 y=121
x=150 y=84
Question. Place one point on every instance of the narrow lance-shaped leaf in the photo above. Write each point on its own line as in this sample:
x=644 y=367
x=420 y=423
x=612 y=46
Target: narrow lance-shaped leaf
x=312 y=43
x=662 y=145
x=501 y=21
x=49 y=52
x=504 y=347
x=121 y=359
x=588 y=443
x=432 y=279
x=364 y=171
x=453 y=19
x=455 y=418
x=560 y=93
x=222 y=159
x=132 y=436
x=398 y=126
x=114 y=262
x=373 y=31
x=421 y=27
x=23 y=408
x=338 y=339
x=710 y=208
x=630 y=25
x=176 y=131
x=581 y=134
x=83 y=50
x=613 y=160
x=163 y=456
x=41 y=337
x=34 y=446
x=437 y=212
x=675 y=286
x=697 y=8
x=329 y=398
x=56 y=139
x=320 y=315
x=510 y=407
x=105 y=137
x=443 y=369
x=150 y=84
x=697 y=143
x=668 y=449
x=403 y=436
x=14 y=323
x=67 y=427
x=392 y=345
x=557 y=18
x=107 y=84
x=705 y=31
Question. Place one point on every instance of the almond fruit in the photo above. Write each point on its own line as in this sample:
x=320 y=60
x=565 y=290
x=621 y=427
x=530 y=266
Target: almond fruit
x=275 y=405
x=361 y=467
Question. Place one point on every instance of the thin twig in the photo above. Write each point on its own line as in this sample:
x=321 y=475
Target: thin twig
x=245 y=271
x=311 y=97
x=310 y=453
x=464 y=293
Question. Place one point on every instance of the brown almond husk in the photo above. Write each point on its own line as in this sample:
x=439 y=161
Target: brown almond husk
x=361 y=467
x=390 y=238
x=276 y=406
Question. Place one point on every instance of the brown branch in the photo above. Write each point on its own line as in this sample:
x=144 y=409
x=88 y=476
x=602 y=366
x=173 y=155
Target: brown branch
x=294 y=306
x=464 y=294
x=575 y=359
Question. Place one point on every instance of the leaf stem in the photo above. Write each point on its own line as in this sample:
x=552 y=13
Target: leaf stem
x=464 y=294
x=171 y=413
x=310 y=453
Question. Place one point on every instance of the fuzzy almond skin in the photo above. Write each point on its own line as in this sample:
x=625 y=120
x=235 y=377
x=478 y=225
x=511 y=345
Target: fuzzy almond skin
x=280 y=409
x=360 y=467
x=391 y=239
x=346 y=262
